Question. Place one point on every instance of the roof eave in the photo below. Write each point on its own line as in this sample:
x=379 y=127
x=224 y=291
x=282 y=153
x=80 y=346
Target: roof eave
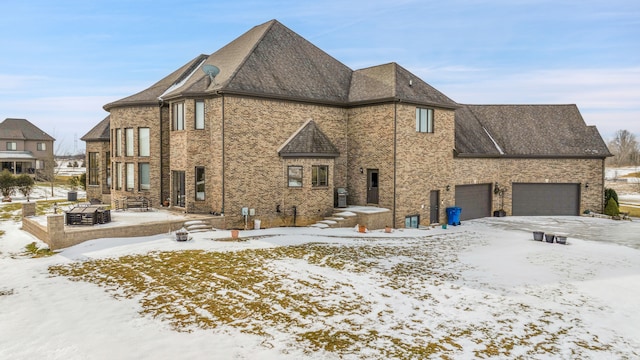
x=309 y=155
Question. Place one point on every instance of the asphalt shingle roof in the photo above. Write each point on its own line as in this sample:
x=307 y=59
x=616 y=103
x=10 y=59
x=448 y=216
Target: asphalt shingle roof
x=526 y=131
x=308 y=141
x=22 y=129
x=100 y=132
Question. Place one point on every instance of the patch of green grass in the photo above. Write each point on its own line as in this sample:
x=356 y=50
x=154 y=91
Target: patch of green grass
x=632 y=175
x=321 y=308
x=33 y=250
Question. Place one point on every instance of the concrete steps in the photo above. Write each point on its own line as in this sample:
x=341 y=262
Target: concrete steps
x=197 y=226
x=341 y=218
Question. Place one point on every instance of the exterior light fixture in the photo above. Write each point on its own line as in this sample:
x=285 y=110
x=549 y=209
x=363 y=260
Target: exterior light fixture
x=586 y=185
x=361 y=171
x=448 y=188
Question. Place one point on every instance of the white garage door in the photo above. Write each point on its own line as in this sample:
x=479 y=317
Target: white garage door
x=532 y=199
x=474 y=200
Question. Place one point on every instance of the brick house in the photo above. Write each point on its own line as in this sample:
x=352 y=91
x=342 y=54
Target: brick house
x=24 y=148
x=273 y=124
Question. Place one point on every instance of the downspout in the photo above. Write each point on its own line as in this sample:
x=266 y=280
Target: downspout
x=223 y=159
x=160 y=103
x=395 y=123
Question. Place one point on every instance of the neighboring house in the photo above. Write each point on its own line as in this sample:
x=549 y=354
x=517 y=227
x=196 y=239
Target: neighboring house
x=272 y=123
x=24 y=148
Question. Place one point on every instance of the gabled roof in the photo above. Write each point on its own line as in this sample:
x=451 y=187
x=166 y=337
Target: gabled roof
x=526 y=131
x=308 y=141
x=22 y=129
x=393 y=82
x=99 y=132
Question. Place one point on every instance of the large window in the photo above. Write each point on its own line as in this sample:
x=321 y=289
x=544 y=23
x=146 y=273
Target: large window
x=320 y=176
x=118 y=142
x=178 y=116
x=119 y=176
x=143 y=142
x=130 y=177
x=424 y=120
x=107 y=167
x=199 y=121
x=12 y=145
x=41 y=146
x=128 y=141
x=295 y=176
x=144 y=179
x=93 y=168
x=199 y=182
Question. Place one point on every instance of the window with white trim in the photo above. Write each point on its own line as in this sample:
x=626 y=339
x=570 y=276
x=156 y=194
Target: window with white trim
x=12 y=146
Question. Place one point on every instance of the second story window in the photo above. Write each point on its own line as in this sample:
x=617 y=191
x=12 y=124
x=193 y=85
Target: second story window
x=128 y=142
x=178 y=116
x=424 y=120
x=199 y=121
x=12 y=146
x=42 y=146
x=118 y=149
x=143 y=142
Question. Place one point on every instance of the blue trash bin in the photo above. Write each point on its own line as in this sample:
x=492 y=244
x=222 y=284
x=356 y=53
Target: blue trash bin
x=453 y=215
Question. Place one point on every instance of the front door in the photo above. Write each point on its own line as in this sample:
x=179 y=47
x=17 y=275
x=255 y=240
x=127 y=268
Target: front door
x=434 y=206
x=372 y=186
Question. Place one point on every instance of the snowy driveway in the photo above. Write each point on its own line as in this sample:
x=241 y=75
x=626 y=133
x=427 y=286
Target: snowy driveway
x=622 y=232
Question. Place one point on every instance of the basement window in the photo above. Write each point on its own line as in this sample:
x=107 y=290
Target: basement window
x=412 y=221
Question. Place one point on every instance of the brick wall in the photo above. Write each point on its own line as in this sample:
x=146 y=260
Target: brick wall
x=135 y=118
x=509 y=171
x=254 y=173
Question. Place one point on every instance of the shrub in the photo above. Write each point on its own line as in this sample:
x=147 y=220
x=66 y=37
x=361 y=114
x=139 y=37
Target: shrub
x=612 y=208
x=610 y=194
x=7 y=183
x=25 y=184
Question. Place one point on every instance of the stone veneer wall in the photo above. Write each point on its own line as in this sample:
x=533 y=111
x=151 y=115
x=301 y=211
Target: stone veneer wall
x=508 y=171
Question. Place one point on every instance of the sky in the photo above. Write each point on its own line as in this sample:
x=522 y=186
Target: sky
x=62 y=61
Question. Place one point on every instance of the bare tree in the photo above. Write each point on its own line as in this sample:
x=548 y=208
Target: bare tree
x=625 y=149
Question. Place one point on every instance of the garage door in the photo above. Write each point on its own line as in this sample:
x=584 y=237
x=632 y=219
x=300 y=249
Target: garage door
x=475 y=201
x=546 y=199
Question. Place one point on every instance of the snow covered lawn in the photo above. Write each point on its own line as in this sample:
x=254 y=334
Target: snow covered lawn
x=484 y=289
